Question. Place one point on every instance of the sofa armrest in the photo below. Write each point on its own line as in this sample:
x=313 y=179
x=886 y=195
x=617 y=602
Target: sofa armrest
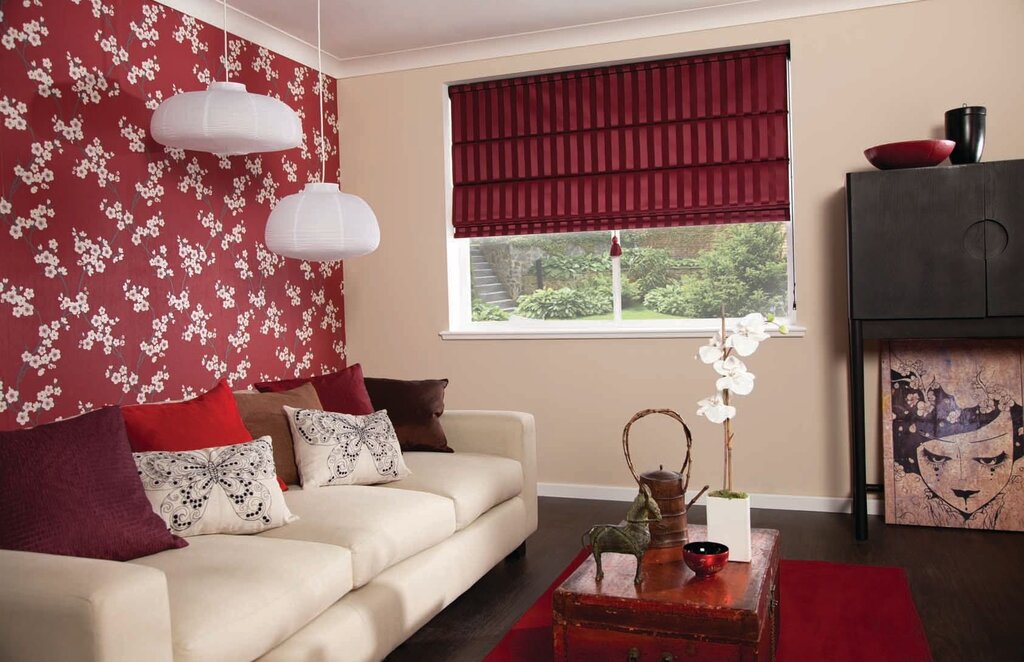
x=510 y=434
x=70 y=609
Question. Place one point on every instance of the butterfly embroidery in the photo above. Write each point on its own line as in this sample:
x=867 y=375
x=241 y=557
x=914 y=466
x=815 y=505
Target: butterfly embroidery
x=192 y=476
x=350 y=435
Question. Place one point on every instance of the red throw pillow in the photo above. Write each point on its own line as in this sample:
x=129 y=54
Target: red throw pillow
x=71 y=488
x=342 y=391
x=212 y=419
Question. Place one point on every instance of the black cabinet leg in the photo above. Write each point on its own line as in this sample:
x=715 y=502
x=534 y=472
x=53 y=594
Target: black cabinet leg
x=857 y=450
x=517 y=553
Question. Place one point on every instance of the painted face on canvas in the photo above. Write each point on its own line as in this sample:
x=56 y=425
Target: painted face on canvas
x=968 y=470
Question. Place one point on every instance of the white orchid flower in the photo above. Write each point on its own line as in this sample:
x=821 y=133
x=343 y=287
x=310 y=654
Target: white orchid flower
x=735 y=377
x=754 y=325
x=714 y=409
x=750 y=332
x=712 y=351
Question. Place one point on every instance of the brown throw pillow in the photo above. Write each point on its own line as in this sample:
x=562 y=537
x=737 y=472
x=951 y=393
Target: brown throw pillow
x=415 y=409
x=263 y=415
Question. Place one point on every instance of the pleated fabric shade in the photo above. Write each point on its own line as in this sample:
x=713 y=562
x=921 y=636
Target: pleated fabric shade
x=695 y=140
x=320 y=223
x=226 y=120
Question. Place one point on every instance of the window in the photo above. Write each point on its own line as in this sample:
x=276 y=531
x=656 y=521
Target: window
x=666 y=275
x=683 y=162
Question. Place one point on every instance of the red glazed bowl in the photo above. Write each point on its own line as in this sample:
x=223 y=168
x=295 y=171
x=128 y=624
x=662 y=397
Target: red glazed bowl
x=909 y=154
x=705 y=558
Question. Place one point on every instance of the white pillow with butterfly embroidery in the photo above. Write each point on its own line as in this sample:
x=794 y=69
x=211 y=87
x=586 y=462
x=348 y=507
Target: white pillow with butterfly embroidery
x=226 y=489
x=345 y=449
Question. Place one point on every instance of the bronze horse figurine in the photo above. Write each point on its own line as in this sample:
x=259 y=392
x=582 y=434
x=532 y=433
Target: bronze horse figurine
x=633 y=537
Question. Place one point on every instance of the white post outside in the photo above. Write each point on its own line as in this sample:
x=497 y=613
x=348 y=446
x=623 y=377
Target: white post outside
x=617 y=285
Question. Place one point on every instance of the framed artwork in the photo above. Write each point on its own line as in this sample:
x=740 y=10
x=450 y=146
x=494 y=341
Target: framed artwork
x=952 y=433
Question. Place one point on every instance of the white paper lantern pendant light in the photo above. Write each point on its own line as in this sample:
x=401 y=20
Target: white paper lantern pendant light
x=320 y=223
x=225 y=119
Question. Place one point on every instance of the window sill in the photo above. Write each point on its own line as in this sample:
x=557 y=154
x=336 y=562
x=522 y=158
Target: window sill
x=602 y=333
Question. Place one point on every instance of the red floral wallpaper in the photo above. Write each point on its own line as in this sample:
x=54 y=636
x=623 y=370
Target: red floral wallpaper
x=130 y=272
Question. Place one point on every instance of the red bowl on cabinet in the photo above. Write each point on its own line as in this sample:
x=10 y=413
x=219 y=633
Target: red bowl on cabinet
x=909 y=154
x=705 y=558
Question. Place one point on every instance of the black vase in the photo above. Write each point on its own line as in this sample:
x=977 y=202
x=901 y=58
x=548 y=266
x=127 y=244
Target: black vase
x=966 y=127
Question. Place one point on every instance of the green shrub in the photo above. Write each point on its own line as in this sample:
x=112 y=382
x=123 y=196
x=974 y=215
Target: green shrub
x=745 y=270
x=668 y=300
x=601 y=286
x=599 y=300
x=486 y=312
x=565 y=303
x=574 y=267
x=648 y=268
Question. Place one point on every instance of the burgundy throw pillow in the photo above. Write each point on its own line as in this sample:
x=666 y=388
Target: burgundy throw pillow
x=212 y=419
x=71 y=488
x=341 y=391
x=415 y=409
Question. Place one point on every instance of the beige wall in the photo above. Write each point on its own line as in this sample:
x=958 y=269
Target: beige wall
x=858 y=79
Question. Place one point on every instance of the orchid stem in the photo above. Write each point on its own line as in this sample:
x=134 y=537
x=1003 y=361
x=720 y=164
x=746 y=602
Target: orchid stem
x=727 y=425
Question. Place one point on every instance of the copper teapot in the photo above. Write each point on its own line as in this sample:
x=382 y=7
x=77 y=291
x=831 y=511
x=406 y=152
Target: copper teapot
x=667 y=487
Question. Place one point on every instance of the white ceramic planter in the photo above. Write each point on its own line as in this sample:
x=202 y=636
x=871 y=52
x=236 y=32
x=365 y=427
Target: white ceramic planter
x=729 y=524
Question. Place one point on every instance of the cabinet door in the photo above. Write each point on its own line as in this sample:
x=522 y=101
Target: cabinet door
x=1004 y=238
x=916 y=248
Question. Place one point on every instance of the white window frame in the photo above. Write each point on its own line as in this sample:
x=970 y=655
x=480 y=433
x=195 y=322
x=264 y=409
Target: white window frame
x=460 y=301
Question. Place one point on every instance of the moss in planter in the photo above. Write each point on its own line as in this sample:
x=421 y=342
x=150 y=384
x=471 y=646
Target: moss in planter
x=728 y=494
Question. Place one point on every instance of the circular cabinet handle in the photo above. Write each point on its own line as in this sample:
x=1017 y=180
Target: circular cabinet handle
x=633 y=655
x=985 y=239
x=996 y=238
x=668 y=657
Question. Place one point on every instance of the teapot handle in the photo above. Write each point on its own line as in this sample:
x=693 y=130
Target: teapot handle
x=685 y=470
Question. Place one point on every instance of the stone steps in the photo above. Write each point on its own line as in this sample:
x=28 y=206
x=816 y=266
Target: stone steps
x=486 y=286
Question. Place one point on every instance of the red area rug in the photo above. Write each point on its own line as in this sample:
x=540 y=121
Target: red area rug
x=829 y=611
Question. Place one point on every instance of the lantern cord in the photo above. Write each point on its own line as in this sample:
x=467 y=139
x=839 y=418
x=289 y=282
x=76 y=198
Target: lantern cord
x=227 y=69
x=320 y=81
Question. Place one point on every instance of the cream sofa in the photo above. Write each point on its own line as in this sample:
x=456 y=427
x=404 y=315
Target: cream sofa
x=359 y=572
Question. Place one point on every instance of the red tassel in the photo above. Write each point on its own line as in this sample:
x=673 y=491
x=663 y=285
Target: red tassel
x=616 y=249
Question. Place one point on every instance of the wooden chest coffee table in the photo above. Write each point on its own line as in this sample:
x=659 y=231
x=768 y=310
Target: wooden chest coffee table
x=672 y=615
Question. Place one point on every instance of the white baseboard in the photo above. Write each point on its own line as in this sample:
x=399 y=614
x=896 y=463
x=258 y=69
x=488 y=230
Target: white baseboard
x=768 y=501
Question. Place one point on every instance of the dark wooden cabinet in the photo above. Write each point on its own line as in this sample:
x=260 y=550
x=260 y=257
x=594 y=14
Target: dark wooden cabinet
x=1004 y=237
x=932 y=253
x=934 y=243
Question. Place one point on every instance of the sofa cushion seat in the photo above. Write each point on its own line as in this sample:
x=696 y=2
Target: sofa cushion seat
x=476 y=482
x=381 y=526
x=236 y=597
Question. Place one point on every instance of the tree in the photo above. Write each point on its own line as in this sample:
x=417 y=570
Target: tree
x=745 y=269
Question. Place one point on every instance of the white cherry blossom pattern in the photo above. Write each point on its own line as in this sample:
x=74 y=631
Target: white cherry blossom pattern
x=135 y=272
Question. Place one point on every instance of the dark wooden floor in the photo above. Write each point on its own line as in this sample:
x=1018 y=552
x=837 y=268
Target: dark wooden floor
x=968 y=585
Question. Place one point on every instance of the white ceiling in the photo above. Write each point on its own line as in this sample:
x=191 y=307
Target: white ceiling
x=358 y=28
x=372 y=36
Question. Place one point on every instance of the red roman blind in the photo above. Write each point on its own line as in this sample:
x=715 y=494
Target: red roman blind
x=687 y=141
